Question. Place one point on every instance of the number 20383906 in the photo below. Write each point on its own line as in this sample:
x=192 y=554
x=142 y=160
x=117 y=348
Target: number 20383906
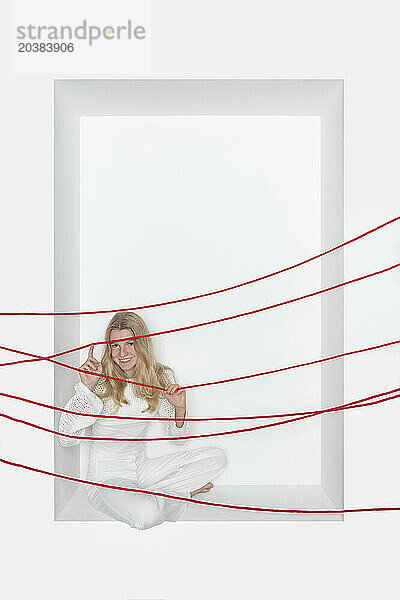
x=45 y=47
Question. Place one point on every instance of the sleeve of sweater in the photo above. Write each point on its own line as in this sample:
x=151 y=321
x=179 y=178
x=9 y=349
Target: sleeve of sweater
x=166 y=409
x=83 y=401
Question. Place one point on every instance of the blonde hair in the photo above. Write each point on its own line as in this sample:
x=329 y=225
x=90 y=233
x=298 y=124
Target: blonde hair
x=147 y=369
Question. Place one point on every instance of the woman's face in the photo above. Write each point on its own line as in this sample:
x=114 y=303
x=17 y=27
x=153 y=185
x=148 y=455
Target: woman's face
x=123 y=353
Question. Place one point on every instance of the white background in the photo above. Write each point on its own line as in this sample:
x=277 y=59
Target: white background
x=282 y=560
x=174 y=206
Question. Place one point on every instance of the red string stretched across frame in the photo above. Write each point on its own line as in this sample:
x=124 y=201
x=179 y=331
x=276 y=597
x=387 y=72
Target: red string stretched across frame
x=203 y=502
x=229 y=380
x=305 y=415
x=198 y=419
x=185 y=328
x=205 y=294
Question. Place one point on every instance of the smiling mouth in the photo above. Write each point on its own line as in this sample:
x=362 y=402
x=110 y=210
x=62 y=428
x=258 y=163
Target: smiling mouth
x=125 y=361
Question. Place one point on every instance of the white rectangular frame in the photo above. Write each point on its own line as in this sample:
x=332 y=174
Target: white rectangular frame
x=74 y=98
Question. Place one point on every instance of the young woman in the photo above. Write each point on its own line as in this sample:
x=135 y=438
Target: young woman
x=125 y=464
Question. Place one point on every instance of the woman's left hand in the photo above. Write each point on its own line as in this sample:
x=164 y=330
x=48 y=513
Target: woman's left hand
x=177 y=399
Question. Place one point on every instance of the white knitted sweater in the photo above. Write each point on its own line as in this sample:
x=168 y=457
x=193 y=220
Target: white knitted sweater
x=86 y=401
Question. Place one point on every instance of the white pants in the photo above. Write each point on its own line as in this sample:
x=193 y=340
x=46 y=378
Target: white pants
x=177 y=474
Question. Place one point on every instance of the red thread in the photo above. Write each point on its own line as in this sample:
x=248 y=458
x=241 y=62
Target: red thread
x=279 y=370
x=227 y=289
x=185 y=387
x=258 y=310
x=133 y=418
x=305 y=415
x=197 y=385
x=204 y=502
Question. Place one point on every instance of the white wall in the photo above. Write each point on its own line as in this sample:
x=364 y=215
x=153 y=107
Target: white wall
x=284 y=560
x=175 y=206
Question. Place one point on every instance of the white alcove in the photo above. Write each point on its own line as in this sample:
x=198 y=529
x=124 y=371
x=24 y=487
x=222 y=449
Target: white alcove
x=166 y=189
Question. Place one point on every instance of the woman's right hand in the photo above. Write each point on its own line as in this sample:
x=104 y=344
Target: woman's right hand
x=93 y=365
